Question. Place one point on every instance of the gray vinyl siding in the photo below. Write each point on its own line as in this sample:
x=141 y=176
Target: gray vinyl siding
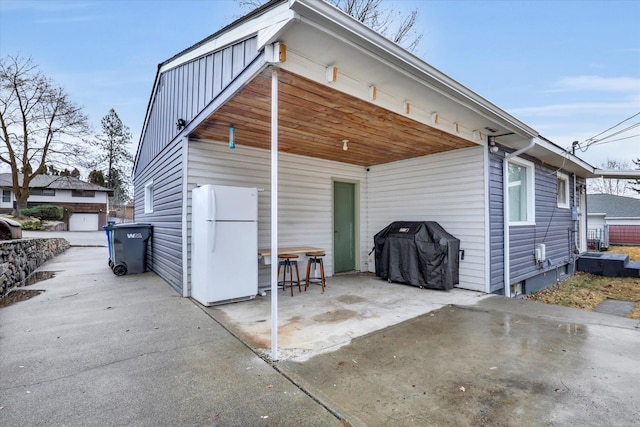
x=182 y=92
x=552 y=226
x=305 y=194
x=496 y=224
x=165 y=252
x=448 y=188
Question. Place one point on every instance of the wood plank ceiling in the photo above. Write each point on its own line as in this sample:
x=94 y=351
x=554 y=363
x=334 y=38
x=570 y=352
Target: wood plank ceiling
x=315 y=118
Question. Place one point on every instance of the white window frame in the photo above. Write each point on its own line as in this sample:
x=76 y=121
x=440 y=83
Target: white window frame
x=563 y=178
x=6 y=193
x=148 y=197
x=530 y=190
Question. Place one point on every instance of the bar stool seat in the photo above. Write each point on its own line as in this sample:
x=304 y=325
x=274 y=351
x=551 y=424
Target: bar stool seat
x=288 y=261
x=315 y=259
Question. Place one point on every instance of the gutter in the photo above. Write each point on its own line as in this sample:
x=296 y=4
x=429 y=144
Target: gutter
x=617 y=173
x=505 y=214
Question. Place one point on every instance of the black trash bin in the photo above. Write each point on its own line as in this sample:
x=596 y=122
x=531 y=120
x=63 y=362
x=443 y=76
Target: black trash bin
x=417 y=253
x=129 y=250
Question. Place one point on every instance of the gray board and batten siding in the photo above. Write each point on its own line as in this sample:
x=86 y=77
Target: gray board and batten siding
x=552 y=225
x=182 y=92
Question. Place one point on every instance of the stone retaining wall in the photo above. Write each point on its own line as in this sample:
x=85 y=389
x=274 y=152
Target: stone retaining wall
x=20 y=258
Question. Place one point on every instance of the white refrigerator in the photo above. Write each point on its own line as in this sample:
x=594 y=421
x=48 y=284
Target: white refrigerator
x=224 y=244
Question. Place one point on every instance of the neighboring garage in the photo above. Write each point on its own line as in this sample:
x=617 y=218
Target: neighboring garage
x=84 y=222
x=613 y=220
x=85 y=204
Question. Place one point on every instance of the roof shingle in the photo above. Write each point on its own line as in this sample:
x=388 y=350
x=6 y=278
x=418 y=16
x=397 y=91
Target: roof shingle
x=613 y=206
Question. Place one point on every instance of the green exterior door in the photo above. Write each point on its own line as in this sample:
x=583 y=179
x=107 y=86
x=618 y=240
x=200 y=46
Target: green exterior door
x=344 y=226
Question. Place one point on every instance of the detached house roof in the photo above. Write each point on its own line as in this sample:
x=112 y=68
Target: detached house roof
x=613 y=206
x=54 y=182
x=337 y=80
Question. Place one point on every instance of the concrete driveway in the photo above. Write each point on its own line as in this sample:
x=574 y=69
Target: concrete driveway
x=99 y=350
x=96 y=349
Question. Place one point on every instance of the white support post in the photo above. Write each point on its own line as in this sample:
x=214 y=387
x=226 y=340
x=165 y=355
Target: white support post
x=274 y=213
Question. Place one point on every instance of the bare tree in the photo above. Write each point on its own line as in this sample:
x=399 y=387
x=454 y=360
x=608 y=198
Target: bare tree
x=391 y=23
x=615 y=186
x=39 y=125
x=635 y=184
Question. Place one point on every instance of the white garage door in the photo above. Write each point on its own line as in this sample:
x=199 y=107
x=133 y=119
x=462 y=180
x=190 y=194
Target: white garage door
x=83 y=222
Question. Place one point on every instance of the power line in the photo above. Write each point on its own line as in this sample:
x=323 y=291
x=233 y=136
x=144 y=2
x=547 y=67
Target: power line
x=612 y=127
x=602 y=141
x=628 y=128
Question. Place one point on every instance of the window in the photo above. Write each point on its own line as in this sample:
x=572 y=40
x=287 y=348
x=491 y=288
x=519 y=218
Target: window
x=521 y=192
x=6 y=196
x=148 y=197
x=42 y=192
x=83 y=193
x=563 y=191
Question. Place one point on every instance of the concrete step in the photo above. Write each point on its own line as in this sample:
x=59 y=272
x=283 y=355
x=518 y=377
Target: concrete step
x=604 y=264
x=632 y=269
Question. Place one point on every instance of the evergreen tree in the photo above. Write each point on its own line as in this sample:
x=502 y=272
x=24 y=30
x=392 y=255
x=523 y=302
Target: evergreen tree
x=114 y=156
x=97 y=177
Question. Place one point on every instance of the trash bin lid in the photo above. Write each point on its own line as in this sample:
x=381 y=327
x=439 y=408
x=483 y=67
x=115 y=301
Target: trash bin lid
x=132 y=225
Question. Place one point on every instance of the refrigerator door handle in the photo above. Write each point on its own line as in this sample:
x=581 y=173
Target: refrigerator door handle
x=212 y=234
x=211 y=220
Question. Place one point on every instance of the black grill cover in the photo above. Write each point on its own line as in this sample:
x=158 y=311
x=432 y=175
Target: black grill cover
x=417 y=253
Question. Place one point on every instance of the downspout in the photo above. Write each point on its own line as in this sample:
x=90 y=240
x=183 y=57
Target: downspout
x=576 y=222
x=505 y=213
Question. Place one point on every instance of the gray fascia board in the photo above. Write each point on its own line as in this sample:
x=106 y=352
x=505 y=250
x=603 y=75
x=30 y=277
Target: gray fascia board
x=333 y=21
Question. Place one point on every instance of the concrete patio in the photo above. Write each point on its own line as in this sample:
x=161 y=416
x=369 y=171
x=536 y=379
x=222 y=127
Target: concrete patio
x=312 y=322
x=98 y=349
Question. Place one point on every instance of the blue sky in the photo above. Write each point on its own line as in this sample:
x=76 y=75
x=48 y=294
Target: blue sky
x=569 y=69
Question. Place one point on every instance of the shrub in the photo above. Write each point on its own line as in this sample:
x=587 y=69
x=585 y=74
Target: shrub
x=44 y=212
x=32 y=225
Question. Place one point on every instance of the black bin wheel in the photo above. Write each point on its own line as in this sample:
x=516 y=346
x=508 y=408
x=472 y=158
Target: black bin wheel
x=120 y=270
x=110 y=263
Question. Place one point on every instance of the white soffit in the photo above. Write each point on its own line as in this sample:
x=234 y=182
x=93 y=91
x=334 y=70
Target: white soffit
x=356 y=37
x=310 y=51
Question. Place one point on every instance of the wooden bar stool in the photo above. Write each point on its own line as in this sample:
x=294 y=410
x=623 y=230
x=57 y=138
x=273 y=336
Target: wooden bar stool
x=288 y=261
x=315 y=259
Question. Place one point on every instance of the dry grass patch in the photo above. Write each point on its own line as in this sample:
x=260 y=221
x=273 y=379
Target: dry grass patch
x=586 y=291
x=632 y=251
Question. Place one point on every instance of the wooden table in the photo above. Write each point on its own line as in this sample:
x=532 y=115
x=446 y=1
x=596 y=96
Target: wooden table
x=265 y=254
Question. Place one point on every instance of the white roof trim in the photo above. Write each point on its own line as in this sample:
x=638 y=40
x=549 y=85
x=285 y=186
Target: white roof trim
x=563 y=153
x=330 y=19
x=264 y=26
x=619 y=174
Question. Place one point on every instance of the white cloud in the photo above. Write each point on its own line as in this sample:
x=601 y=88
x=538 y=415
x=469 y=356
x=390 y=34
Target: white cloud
x=571 y=109
x=598 y=83
x=64 y=20
x=45 y=6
